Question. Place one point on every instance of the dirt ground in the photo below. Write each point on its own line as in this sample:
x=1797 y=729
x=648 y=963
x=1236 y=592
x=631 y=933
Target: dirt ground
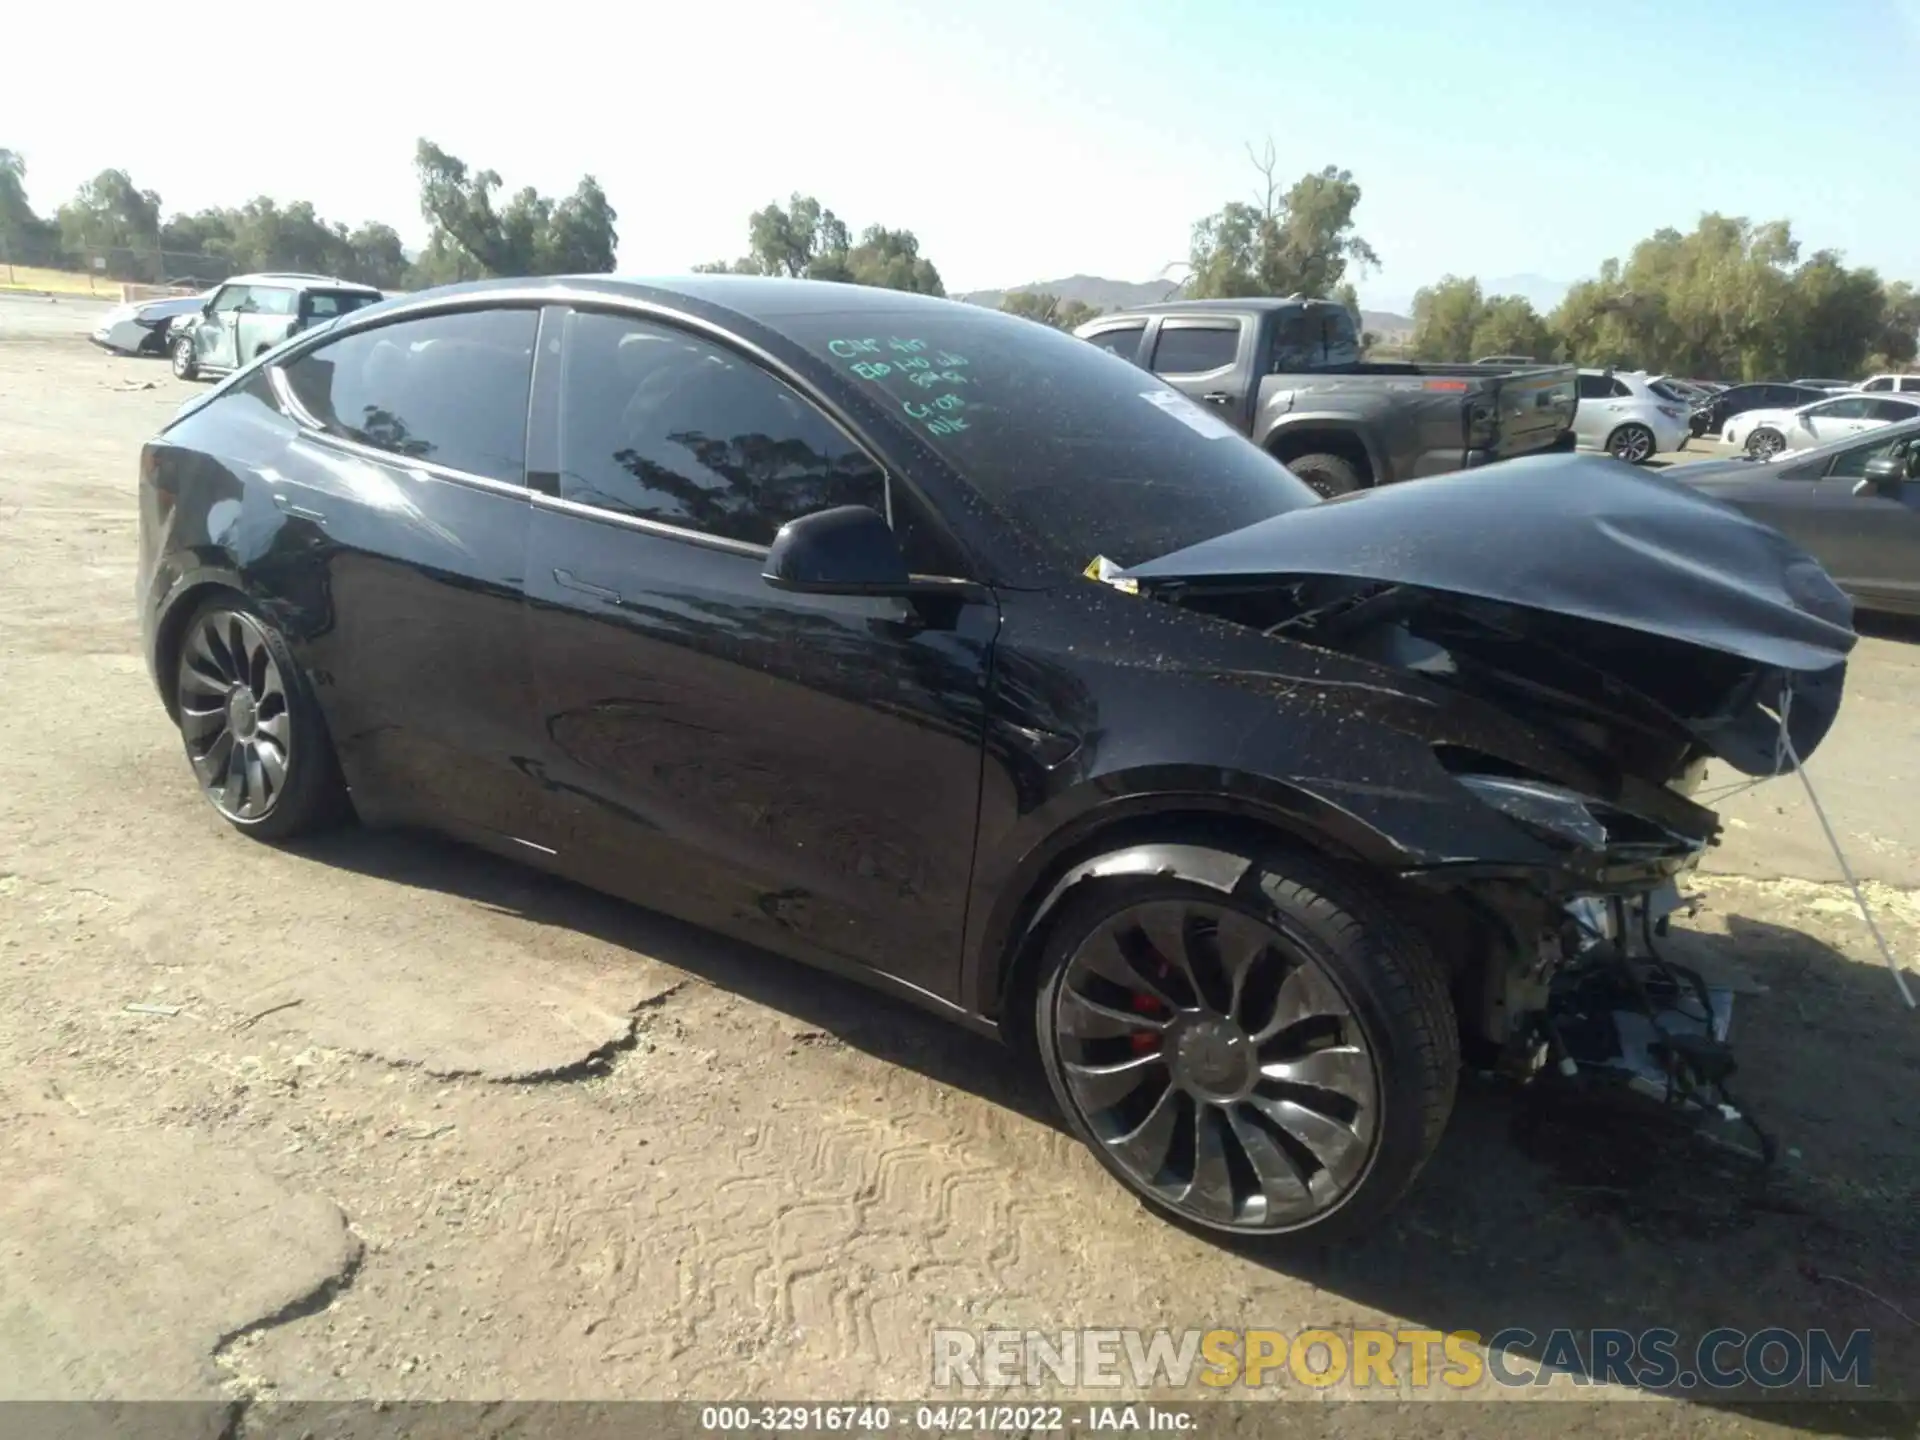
x=381 y=1117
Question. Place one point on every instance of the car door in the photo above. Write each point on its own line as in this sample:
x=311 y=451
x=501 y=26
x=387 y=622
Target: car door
x=264 y=320
x=1870 y=542
x=1831 y=420
x=405 y=479
x=1592 y=417
x=216 y=336
x=1201 y=355
x=800 y=770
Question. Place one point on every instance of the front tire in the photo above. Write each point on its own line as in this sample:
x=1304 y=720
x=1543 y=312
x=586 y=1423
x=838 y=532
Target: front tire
x=1330 y=475
x=253 y=733
x=1276 y=1063
x=1632 y=443
x=186 y=365
x=1764 y=443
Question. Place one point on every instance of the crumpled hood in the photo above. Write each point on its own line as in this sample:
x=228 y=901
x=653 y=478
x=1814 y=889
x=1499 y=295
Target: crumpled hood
x=1581 y=536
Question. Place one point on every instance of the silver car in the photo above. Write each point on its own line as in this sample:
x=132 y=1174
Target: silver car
x=250 y=314
x=1628 y=416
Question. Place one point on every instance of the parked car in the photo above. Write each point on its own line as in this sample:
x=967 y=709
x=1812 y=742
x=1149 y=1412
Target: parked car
x=1681 y=392
x=1826 y=384
x=1901 y=384
x=1854 y=504
x=1289 y=375
x=250 y=314
x=780 y=613
x=1765 y=433
x=1711 y=417
x=1628 y=417
x=142 y=327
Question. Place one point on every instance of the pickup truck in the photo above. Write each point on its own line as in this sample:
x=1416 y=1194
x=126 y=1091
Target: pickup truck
x=1288 y=375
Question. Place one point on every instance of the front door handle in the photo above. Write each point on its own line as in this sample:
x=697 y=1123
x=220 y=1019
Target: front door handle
x=1217 y=397
x=568 y=580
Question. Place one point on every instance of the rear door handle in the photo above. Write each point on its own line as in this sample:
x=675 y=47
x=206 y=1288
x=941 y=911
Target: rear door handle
x=568 y=580
x=1217 y=397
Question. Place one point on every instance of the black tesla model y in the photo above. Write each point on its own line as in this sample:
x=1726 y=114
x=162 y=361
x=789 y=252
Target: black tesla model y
x=932 y=646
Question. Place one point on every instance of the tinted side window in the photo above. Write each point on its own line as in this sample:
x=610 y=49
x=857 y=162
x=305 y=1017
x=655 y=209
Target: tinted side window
x=1595 y=387
x=1852 y=409
x=1122 y=340
x=1910 y=384
x=1621 y=390
x=663 y=425
x=1194 y=349
x=325 y=304
x=451 y=389
x=1316 y=337
x=1883 y=383
x=1890 y=410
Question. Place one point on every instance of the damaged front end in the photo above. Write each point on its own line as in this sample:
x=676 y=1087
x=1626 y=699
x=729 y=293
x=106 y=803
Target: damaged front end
x=1619 y=631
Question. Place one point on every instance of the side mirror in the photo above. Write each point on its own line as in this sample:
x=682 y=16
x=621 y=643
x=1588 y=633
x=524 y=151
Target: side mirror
x=1884 y=475
x=849 y=550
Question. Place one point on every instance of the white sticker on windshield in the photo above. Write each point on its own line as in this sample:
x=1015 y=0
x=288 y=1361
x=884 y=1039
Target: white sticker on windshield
x=1192 y=416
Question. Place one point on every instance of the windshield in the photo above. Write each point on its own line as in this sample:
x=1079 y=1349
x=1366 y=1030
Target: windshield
x=1085 y=452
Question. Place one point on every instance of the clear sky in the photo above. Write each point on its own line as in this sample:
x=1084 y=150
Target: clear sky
x=1020 y=141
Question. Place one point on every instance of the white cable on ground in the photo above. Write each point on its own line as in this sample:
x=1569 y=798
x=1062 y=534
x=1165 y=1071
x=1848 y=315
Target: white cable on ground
x=1859 y=896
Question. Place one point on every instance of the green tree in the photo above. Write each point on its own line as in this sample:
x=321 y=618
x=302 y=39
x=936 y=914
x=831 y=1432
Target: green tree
x=1509 y=325
x=891 y=260
x=1048 y=308
x=1445 y=317
x=113 y=215
x=24 y=236
x=804 y=240
x=530 y=235
x=1300 y=240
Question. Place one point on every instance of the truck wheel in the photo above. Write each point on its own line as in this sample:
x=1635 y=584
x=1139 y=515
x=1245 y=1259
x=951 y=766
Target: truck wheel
x=1331 y=475
x=1276 y=1063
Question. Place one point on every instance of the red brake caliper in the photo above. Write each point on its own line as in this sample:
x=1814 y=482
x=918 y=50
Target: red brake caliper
x=1146 y=1041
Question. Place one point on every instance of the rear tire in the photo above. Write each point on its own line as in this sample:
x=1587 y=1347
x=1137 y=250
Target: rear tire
x=1304 y=1096
x=1329 y=475
x=253 y=732
x=1633 y=443
x=186 y=365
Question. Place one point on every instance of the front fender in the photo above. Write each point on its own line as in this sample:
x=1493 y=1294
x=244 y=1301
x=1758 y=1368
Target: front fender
x=1353 y=426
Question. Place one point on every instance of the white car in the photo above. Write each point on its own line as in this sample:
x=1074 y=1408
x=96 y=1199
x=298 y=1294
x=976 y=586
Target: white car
x=1901 y=384
x=1766 y=433
x=1628 y=416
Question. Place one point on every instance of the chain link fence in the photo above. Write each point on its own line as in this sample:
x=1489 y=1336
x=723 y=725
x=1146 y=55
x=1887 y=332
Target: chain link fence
x=107 y=268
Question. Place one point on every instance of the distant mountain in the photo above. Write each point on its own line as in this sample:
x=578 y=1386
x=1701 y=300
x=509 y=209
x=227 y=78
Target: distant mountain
x=1105 y=294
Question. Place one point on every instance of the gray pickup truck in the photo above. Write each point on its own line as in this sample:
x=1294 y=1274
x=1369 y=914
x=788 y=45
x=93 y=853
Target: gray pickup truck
x=1288 y=374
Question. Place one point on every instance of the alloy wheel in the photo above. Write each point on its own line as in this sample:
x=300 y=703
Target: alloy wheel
x=1633 y=444
x=234 y=714
x=1218 y=1065
x=1763 y=443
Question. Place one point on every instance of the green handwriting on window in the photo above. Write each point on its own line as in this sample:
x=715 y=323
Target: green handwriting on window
x=935 y=373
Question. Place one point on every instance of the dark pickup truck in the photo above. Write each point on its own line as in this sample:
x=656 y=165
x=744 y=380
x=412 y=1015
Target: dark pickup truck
x=1288 y=375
